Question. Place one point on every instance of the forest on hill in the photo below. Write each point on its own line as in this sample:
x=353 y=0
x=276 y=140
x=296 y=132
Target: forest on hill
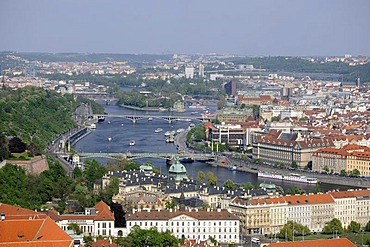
x=34 y=116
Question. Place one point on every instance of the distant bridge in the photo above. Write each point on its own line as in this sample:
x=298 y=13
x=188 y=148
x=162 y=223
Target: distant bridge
x=169 y=119
x=201 y=157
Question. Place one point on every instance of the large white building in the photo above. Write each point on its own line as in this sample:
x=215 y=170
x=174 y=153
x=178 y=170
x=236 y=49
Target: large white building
x=191 y=223
x=189 y=72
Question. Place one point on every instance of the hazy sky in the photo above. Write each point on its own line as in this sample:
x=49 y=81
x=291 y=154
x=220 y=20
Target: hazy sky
x=246 y=27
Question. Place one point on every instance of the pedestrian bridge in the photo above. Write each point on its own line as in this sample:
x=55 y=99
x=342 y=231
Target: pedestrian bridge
x=199 y=157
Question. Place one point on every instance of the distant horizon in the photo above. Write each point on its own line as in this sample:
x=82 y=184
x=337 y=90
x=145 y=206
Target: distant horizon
x=188 y=54
x=245 y=28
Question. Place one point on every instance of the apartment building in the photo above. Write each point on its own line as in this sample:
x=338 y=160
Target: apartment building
x=269 y=215
x=279 y=147
x=348 y=158
x=259 y=215
x=345 y=206
x=234 y=115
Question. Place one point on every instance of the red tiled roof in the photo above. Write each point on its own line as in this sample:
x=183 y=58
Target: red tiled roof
x=342 y=194
x=14 y=212
x=308 y=199
x=32 y=232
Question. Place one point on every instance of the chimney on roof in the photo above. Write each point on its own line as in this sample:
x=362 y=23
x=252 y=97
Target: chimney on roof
x=2 y=216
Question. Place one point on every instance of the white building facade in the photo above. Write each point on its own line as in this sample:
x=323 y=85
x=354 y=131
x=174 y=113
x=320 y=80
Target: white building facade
x=190 y=224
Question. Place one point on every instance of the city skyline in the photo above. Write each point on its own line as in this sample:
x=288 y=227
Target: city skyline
x=290 y=28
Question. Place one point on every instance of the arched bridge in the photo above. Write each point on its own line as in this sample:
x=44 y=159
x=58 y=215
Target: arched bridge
x=169 y=119
x=200 y=157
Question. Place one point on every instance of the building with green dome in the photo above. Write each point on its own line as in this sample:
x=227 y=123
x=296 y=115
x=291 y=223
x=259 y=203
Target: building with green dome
x=178 y=171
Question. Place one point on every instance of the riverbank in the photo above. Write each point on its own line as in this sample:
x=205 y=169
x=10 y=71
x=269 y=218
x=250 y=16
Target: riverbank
x=159 y=109
x=247 y=166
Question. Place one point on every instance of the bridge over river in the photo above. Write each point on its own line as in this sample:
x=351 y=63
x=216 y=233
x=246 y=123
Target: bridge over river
x=129 y=155
x=136 y=117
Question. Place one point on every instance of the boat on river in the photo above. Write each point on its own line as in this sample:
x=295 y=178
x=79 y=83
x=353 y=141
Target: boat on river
x=293 y=177
x=132 y=143
x=232 y=168
x=187 y=160
x=158 y=130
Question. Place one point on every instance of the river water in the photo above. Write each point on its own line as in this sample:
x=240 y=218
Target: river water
x=122 y=131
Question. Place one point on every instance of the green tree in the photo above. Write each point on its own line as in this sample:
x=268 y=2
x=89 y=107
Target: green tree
x=247 y=186
x=294 y=164
x=111 y=190
x=170 y=204
x=151 y=237
x=77 y=172
x=229 y=185
x=13 y=186
x=354 y=227
x=333 y=226
x=287 y=231
x=75 y=227
x=93 y=171
x=275 y=119
x=295 y=190
x=122 y=164
x=343 y=172
x=355 y=173
x=326 y=168
x=201 y=176
x=212 y=179
x=367 y=227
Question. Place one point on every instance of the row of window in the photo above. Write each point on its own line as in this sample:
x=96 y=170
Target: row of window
x=104 y=225
x=178 y=223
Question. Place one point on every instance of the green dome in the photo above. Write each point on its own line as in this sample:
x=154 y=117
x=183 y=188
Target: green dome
x=178 y=171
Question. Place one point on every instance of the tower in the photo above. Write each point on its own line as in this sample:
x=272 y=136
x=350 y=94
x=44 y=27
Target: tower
x=230 y=88
x=358 y=83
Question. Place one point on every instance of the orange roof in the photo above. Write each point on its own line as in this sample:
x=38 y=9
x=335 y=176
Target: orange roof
x=342 y=194
x=13 y=212
x=342 y=242
x=104 y=212
x=34 y=232
x=360 y=193
x=103 y=243
x=308 y=199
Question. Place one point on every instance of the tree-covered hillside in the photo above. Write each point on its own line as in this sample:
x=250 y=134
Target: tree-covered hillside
x=35 y=115
x=300 y=65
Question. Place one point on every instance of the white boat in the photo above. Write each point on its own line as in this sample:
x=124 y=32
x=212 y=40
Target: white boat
x=192 y=125
x=180 y=130
x=150 y=119
x=232 y=168
x=109 y=139
x=168 y=133
x=132 y=143
x=293 y=177
x=158 y=130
